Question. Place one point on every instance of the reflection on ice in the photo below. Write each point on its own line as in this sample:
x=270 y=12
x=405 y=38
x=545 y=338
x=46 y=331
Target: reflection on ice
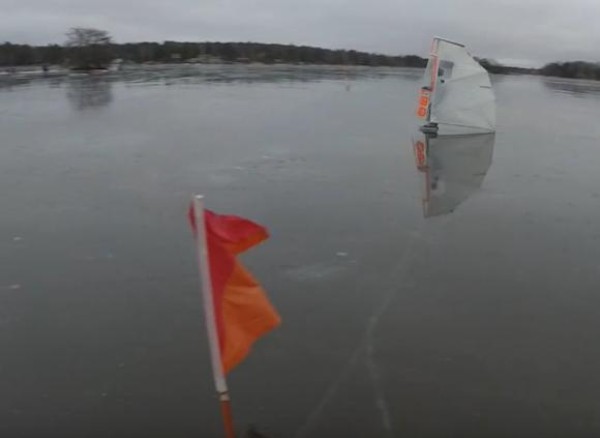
x=89 y=93
x=574 y=87
x=451 y=168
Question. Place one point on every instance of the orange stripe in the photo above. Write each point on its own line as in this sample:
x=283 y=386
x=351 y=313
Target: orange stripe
x=435 y=63
x=434 y=72
x=247 y=315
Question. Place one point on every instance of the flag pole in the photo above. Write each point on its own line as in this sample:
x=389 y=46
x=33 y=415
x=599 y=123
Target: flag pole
x=210 y=320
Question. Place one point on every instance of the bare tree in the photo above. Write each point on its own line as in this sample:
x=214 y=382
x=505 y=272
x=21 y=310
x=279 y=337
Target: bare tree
x=88 y=48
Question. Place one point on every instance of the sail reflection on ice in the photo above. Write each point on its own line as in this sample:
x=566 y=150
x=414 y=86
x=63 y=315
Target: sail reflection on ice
x=451 y=168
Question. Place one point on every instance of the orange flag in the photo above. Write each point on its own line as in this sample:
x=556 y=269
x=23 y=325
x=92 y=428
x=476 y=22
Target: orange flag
x=243 y=312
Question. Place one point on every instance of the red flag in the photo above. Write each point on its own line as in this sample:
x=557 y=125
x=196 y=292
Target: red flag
x=242 y=310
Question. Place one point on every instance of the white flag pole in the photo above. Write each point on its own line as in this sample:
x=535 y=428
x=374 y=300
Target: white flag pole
x=210 y=319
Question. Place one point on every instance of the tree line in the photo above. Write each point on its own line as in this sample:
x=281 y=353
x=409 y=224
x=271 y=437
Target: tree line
x=497 y=68
x=576 y=69
x=172 y=51
x=87 y=49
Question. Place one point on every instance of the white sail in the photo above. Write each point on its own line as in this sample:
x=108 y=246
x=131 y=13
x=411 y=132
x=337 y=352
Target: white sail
x=462 y=99
x=453 y=168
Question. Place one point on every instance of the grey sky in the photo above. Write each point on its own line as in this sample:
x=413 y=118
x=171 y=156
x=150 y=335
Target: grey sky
x=519 y=31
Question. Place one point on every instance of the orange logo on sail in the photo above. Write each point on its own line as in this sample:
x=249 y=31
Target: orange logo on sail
x=423 y=108
x=420 y=155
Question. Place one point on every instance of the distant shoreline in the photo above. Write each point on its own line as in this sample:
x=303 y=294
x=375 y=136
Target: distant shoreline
x=200 y=73
x=56 y=71
x=207 y=53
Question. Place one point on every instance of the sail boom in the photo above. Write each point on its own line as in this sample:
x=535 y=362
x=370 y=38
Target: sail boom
x=446 y=40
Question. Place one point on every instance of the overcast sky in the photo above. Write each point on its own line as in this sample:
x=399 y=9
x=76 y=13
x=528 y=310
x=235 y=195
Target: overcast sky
x=517 y=31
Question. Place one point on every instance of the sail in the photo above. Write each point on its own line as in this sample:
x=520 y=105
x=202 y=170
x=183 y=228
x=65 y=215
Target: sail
x=461 y=96
x=452 y=167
